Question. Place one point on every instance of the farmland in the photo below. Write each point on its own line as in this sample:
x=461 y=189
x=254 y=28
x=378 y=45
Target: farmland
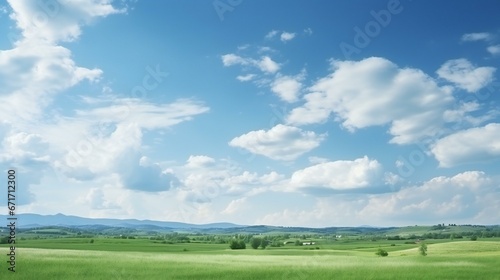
x=350 y=258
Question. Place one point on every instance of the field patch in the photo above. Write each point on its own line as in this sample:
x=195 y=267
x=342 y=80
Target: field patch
x=289 y=264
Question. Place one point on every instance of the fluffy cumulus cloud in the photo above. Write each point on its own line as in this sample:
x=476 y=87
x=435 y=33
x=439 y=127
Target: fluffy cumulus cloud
x=109 y=139
x=203 y=179
x=37 y=68
x=27 y=153
x=339 y=175
x=55 y=21
x=464 y=197
x=375 y=91
x=287 y=36
x=469 y=146
x=143 y=175
x=460 y=198
x=288 y=87
x=466 y=76
x=32 y=74
x=281 y=142
x=199 y=161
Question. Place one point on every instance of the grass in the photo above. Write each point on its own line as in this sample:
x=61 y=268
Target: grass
x=75 y=258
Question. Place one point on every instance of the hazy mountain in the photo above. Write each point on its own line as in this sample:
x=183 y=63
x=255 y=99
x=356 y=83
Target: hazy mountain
x=36 y=220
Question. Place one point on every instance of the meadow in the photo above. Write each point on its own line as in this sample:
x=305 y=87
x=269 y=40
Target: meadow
x=108 y=258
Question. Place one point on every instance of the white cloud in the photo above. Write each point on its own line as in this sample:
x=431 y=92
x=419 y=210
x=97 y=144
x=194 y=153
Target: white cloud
x=279 y=143
x=288 y=87
x=272 y=34
x=146 y=115
x=494 y=50
x=412 y=103
x=476 y=37
x=56 y=21
x=465 y=75
x=199 y=161
x=462 y=114
x=265 y=63
x=457 y=198
x=22 y=146
x=465 y=197
x=234 y=206
x=245 y=78
x=316 y=160
x=100 y=199
x=287 y=36
x=37 y=68
x=308 y=31
x=108 y=139
x=32 y=74
x=144 y=176
x=469 y=146
x=339 y=175
x=204 y=179
x=233 y=59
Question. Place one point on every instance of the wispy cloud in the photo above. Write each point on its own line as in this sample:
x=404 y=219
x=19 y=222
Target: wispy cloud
x=482 y=36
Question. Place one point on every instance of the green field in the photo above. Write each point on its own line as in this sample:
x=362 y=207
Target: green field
x=107 y=258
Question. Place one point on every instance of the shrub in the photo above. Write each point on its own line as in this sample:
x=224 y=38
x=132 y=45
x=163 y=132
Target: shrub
x=473 y=238
x=423 y=249
x=382 y=253
x=237 y=244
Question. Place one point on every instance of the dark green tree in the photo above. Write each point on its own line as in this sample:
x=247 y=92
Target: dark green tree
x=255 y=242
x=263 y=243
x=381 y=252
x=237 y=244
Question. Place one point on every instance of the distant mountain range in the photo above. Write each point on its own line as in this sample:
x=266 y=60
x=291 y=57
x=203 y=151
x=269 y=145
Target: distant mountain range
x=36 y=220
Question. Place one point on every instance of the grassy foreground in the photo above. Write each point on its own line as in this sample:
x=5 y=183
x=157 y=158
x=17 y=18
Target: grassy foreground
x=450 y=260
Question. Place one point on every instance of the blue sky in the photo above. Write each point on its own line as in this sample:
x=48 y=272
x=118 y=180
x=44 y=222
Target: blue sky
x=309 y=113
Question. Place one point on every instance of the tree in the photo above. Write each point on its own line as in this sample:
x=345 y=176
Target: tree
x=237 y=244
x=263 y=244
x=298 y=243
x=4 y=240
x=255 y=242
x=381 y=252
x=423 y=249
x=473 y=238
